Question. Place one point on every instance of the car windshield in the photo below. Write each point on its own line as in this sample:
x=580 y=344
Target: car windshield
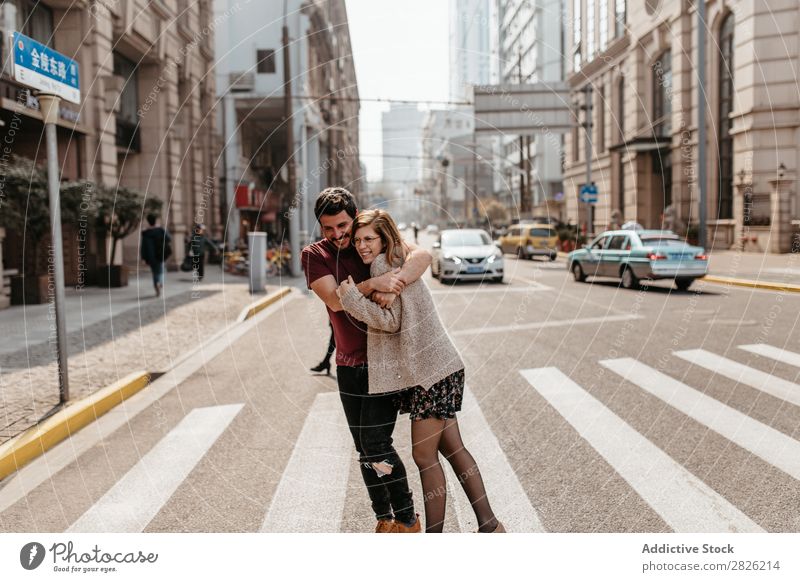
x=548 y=232
x=465 y=239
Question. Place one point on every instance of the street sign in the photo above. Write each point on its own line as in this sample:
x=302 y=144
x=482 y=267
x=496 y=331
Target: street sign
x=40 y=67
x=588 y=194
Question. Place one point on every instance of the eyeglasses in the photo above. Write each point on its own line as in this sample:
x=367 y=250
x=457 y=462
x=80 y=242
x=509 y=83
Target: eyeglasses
x=366 y=239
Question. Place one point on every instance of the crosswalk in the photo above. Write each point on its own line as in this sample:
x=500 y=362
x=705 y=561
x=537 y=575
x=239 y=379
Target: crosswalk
x=305 y=501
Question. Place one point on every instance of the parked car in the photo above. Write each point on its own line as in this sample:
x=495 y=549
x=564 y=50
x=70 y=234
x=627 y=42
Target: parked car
x=531 y=240
x=632 y=255
x=401 y=226
x=432 y=229
x=467 y=254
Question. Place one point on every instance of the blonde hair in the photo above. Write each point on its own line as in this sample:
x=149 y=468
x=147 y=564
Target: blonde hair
x=384 y=225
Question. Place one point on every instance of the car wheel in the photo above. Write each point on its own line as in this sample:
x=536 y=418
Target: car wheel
x=553 y=257
x=497 y=279
x=577 y=273
x=629 y=280
x=684 y=284
x=520 y=253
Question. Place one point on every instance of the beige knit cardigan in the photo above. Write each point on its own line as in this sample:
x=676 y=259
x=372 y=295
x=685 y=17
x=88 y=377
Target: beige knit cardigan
x=407 y=344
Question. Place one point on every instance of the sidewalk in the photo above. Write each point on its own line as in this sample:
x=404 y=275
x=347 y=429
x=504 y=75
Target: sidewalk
x=110 y=333
x=755 y=268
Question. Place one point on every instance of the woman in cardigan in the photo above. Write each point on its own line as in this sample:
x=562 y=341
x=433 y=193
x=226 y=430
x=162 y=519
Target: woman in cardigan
x=408 y=347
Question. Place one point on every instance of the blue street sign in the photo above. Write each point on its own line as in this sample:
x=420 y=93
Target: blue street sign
x=588 y=194
x=40 y=67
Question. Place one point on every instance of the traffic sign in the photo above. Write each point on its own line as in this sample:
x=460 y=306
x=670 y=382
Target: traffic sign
x=40 y=67
x=588 y=194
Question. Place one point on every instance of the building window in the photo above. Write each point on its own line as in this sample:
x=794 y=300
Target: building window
x=575 y=133
x=30 y=17
x=601 y=119
x=662 y=94
x=725 y=194
x=127 y=118
x=620 y=17
x=590 y=27
x=576 y=35
x=265 y=61
x=621 y=108
x=603 y=25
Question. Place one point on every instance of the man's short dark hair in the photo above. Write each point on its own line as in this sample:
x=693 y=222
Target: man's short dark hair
x=151 y=219
x=331 y=201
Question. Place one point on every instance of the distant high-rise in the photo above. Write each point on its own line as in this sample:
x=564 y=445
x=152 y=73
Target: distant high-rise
x=470 y=49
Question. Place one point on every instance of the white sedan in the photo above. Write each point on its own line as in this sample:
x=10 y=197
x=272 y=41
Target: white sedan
x=467 y=254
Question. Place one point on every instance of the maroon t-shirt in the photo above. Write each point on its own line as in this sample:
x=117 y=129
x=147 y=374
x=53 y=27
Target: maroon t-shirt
x=324 y=258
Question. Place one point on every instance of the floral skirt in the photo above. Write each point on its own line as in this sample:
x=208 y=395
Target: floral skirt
x=442 y=400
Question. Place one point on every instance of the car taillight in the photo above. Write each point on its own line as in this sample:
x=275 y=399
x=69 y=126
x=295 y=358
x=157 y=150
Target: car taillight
x=656 y=257
x=701 y=257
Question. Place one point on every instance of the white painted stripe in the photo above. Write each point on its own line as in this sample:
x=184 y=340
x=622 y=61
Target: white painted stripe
x=499 y=289
x=544 y=324
x=682 y=500
x=40 y=470
x=767 y=383
x=765 y=442
x=311 y=494
x=506 y=495
x=136 y=498
x=779 y=354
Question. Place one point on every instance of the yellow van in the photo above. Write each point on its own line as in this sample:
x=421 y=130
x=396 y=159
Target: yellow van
x=530 y=240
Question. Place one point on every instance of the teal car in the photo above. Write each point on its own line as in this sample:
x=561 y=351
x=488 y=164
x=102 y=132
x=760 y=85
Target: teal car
x=633 y=255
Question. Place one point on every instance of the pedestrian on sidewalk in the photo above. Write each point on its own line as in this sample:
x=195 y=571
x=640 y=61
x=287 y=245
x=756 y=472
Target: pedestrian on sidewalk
x=196 y=249
x=156 y=249
x=370 y=417
x=408 y=347
x=325 y=364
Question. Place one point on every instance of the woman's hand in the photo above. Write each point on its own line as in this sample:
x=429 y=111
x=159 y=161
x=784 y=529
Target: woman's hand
x=345 y=286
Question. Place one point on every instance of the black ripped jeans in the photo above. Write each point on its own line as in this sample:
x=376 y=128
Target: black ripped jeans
x=371 y=418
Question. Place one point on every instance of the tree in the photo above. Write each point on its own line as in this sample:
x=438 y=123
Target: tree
x=25 y=207
x=495 y=212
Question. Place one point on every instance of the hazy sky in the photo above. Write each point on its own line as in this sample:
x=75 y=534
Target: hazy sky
x=400 y=51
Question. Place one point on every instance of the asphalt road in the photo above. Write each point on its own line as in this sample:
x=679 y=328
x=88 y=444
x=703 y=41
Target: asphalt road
x=590 y=408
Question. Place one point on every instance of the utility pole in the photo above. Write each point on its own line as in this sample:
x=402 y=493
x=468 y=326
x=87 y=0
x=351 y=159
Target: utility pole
x=701 y=119
x=294 y=230
x=588 y=125
x=523 y=197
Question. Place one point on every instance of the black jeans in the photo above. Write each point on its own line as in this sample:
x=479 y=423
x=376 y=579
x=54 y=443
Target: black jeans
x=371 y=418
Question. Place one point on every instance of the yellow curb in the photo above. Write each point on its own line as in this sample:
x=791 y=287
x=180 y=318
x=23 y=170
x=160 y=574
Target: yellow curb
x=787 y=287
x=262 y=304
x=40 y=438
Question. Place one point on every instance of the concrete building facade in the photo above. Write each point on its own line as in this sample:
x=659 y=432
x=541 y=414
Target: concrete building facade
x=324 y=124
x=143 y=122
x=641 y=60
x=401 y=129
x=528 y=37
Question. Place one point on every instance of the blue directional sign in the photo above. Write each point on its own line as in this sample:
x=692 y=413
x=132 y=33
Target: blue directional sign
x=588 y=194
x=40 y=67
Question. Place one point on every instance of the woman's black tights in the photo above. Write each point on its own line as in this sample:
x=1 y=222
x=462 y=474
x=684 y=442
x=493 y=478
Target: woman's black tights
x=430 y=437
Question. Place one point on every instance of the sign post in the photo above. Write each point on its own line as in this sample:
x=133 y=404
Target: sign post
x=55 y=76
